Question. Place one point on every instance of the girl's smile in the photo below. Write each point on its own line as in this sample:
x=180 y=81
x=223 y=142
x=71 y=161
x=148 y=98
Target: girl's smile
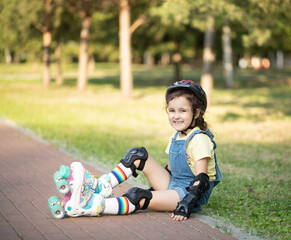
x=180 y=113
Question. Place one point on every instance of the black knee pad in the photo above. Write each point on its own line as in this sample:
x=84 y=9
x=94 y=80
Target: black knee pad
x=132 y=155
x=134 y=195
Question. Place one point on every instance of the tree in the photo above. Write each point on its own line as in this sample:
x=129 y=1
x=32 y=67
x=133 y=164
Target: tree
x=47 y=40
x=227 y=55
x=126 y=29
x=83 y=56
x=126 y=80
x=174 y=28
x=21 y=28
x=208 y=58
x=206 y=17
x=213 y=15
x=267 y=26
x=178 y=13
x=85 y=10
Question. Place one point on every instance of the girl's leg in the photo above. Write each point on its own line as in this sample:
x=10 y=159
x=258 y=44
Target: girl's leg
x=136 y=158
x=165 y=200
x=157 y=176
x=121 y=172
x=82 y=201
x=160 y=201
x=118 y=206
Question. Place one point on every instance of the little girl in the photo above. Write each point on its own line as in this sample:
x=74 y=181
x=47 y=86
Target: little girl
x=182 y=187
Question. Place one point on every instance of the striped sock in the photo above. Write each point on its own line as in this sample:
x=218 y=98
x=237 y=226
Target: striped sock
x=119 y=174
x=118 y=206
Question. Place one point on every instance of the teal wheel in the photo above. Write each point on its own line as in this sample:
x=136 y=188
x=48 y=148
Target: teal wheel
x=53 y=201
x=57 y=176
x=63 y=186
x=65 y=171
x=58 y=211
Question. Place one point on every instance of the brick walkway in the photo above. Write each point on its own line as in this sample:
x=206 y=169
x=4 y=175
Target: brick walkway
x=26 y=182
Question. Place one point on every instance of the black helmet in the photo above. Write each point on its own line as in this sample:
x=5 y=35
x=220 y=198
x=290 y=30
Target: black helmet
x=189 y=85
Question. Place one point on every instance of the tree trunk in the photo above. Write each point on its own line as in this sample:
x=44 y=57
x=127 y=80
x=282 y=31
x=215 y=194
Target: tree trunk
x=126 y=80
x=91 y=64
x=58 y=54
x=272 y=57
x=165 y=60
x=8 y=58
x=83 y=55
x=227 y=55
x=208 y=59
x=35 y=64
x=148 y=60
x=279 y=59
x=47 y=39
x=177 y=58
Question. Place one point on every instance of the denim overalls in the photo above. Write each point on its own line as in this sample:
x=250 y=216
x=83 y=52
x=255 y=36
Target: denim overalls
x=182 y=176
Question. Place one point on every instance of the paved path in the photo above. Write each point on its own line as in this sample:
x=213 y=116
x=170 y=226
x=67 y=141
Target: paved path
x=26 y=169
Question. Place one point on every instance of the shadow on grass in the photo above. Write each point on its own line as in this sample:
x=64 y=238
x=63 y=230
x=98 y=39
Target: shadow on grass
x=261 y=78
x=231 y=116
x=276 y=84
x=142 y=78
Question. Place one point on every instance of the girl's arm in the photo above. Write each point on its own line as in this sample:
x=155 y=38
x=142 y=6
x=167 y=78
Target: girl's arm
x=200 y=167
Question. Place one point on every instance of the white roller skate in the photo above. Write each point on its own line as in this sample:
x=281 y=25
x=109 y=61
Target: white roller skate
x=62 y=176
x=104 y=186
x=100 y=185
x=79 y=201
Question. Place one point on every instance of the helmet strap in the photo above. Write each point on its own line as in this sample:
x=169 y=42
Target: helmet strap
x=190 y=126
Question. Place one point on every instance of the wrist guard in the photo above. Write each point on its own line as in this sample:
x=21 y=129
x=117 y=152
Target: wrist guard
x=195 y=193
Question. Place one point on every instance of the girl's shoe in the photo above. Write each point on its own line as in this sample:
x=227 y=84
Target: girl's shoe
x=100 y=185
x=81 y=201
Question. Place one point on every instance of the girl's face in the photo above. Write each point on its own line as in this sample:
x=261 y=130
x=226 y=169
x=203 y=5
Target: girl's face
x=180 y=113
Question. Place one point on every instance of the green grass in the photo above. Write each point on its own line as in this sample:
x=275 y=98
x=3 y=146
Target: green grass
x=252 y=125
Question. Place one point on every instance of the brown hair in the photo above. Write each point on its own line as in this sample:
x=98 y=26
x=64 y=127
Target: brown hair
x=195 y=104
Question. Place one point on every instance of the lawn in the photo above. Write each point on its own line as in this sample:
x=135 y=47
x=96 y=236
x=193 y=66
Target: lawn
x=251 y=122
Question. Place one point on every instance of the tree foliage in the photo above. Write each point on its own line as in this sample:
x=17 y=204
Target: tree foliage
x=257 y=26
x=267 y=24
x=18 y=29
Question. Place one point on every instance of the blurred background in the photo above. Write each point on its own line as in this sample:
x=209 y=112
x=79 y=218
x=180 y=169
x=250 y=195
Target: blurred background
x=230 y=34
x=90 y=77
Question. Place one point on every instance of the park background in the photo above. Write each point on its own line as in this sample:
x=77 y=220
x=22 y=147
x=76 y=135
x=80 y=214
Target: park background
x=90 y=77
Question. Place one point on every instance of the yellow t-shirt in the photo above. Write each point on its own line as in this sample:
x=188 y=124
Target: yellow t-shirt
x=200 y=146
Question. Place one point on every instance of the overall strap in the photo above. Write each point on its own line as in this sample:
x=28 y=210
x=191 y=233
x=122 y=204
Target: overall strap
x=211 y=136
x=207 y=132
x=176 y=135
x=193 y=134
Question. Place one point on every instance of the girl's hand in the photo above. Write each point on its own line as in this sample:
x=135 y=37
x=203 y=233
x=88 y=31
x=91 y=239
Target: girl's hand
x=178 y=217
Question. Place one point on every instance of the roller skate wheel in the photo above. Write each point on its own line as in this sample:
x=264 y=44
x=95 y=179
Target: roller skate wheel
x=65 y=171
x=57 y=176
x=63 y=186
x=53 y=201
x=58 y=211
